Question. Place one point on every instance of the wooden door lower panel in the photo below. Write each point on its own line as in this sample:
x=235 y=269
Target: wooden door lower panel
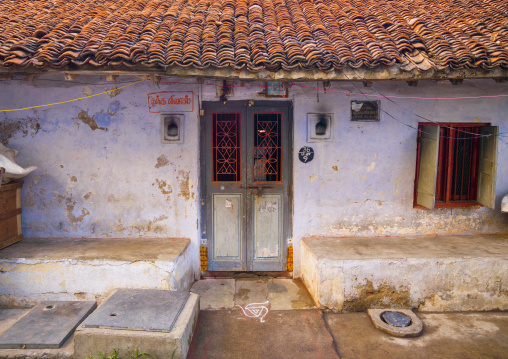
x=228 y=231
x=267 y=234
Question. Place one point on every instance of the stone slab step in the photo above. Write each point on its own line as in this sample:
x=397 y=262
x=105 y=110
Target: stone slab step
x=139 y=309
x=133 y=333
x=47 y=325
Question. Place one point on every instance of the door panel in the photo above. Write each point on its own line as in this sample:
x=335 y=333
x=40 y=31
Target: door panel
x=269 y=178
x=268 y=226
x=247 y=160
x=227 y=226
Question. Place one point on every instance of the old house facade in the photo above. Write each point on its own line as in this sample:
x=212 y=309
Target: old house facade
x=248 y=126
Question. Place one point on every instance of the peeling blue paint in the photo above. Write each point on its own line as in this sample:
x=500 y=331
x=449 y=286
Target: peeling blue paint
x=102 y=119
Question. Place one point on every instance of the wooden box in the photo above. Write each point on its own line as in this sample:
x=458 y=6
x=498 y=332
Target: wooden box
x=10 y=214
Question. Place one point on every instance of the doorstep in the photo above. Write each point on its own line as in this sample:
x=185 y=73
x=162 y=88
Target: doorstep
x=272 y=293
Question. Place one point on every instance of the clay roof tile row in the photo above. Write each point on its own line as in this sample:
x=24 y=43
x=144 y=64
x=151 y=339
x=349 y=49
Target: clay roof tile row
x=255 y=35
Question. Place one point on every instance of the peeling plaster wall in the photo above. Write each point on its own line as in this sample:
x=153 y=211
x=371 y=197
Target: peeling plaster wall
x=103 y=171
x=361 y=182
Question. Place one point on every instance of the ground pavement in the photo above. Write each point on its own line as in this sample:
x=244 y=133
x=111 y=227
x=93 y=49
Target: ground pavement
x=276 y=318
x=282 y=322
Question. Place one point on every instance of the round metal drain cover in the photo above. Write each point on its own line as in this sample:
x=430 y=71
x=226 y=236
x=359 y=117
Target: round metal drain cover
x=396 y=319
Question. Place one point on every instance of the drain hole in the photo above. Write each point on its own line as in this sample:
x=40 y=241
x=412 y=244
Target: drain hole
x=113 y=314
x=48 y=307
x=396 y=319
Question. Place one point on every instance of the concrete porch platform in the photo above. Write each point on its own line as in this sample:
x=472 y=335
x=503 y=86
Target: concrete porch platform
x=446 y=273
x=36 y=270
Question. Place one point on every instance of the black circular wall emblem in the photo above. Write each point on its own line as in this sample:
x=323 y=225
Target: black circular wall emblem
x=306 y=154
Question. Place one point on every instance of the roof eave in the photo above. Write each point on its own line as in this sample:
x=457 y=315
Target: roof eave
x=380 y=73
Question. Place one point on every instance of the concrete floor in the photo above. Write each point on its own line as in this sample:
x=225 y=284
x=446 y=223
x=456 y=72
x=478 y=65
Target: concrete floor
x=445 y=336
x=229 y=334
x=282 y=294
x=228 y=329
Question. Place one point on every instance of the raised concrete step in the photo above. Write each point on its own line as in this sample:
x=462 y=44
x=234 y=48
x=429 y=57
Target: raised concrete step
x=447 y=273
x=36 y=270
x=158 y=322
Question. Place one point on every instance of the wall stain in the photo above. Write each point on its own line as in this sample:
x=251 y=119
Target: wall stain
x=37 y=226
x=115 y=92
x=88 y=195
x=113 y=199
x=162 y=161
x=31 y=198
x=184 y=185
x=87 y=91
x=397 y=185
x=164 y=186
x=90 y=121
x=335 y=168
x=385 y=296
x=72 y=218
x=119 y=228
x=80 y=295
x=151 y=226
x=10 y=127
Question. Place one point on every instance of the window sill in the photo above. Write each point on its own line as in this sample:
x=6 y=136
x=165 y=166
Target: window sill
x=438 y=205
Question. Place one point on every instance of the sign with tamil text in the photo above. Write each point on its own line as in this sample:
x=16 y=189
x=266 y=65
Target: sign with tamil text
x=171 y=101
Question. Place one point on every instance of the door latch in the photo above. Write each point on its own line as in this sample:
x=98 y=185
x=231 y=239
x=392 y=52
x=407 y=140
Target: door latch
x=257 y=190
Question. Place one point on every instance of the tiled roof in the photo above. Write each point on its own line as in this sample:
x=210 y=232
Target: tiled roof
x=254 y=35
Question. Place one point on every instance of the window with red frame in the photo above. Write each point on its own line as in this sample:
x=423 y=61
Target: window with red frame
x=455 y=164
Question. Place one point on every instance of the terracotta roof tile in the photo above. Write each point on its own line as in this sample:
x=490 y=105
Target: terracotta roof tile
x=255 y=35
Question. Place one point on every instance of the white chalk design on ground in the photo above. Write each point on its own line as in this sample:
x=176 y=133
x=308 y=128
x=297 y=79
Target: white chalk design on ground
x=255 y=310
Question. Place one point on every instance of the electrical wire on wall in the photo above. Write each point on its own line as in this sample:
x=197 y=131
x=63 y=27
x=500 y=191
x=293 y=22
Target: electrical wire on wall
x=348 y=93
x=76 y=99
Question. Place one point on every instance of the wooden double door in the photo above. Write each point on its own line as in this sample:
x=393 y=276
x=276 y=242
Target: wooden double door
x=246 y=163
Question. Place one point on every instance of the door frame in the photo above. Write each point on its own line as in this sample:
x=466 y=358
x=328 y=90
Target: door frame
x=204 y=227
